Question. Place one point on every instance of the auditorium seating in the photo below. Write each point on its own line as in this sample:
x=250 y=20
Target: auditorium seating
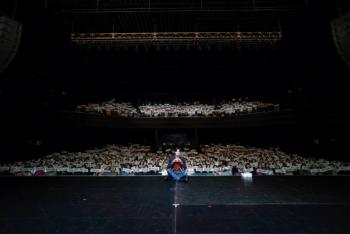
x=185 y=109
x=221 y=160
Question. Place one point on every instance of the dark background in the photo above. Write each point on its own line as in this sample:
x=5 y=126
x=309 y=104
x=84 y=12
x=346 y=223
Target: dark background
x=50 y=74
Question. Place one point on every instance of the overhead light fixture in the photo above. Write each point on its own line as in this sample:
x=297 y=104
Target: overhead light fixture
x=176 y=38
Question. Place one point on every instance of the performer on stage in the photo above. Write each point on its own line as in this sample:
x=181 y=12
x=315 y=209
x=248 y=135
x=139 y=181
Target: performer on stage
x=177 y=168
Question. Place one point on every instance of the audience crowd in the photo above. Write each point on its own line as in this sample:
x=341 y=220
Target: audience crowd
x=110 y=108
x=207 y=160
x=195 y=109
x=179 y=110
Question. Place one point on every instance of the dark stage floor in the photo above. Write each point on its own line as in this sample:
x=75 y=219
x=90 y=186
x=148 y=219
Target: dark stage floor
x=146 y=205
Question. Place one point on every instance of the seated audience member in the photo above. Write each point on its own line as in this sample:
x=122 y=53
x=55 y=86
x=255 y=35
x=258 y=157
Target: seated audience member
x=235 y=171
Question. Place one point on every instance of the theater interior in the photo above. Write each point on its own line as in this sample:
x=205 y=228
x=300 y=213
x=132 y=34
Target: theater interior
x=97 y=95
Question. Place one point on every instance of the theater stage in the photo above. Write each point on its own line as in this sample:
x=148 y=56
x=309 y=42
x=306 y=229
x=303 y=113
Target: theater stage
x=150 y=205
